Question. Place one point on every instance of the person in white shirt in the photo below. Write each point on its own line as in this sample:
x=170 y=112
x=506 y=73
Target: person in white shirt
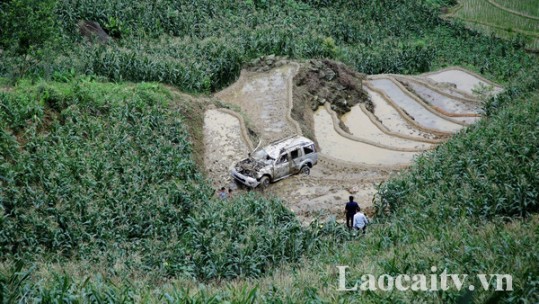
x=360 y=221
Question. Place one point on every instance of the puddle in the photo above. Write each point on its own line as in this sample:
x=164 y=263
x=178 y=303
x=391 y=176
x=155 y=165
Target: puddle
x=341 y=148
x=264 y=97
x=360 y=125
x=223 y=145
x=419 y=113
x=464 y=81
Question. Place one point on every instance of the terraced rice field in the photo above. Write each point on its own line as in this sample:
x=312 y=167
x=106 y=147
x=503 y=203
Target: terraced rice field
x=504 y=18
x=468 y=112
x=266 y=98
x=464 y=81
x=414 y=109
x=344 y=148
x=363 y=124
x=393 y=122
x=224 y=141
x=411 y=115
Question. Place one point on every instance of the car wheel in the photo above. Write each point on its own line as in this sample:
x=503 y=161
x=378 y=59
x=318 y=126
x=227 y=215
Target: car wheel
x=305 y=170
x=264 y=182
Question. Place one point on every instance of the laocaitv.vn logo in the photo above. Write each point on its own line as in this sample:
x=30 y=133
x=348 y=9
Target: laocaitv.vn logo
x=433 y=281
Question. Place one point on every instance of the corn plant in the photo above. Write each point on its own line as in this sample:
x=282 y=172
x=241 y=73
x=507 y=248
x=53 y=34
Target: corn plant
x=98 y=172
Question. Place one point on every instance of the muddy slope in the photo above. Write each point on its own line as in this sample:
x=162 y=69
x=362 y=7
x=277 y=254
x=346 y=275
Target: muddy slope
x=224 y=143
x=265 y=98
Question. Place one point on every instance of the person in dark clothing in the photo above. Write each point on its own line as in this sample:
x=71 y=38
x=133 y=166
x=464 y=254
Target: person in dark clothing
x=222 y=194
x=350 y=210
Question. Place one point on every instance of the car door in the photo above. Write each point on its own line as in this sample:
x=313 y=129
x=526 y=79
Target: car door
x=296 y=158
x=309 y=152
x=282 y=166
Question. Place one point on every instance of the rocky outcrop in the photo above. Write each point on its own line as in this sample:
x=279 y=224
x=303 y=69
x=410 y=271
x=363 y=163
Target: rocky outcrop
x=331 y=82
x=93 y=31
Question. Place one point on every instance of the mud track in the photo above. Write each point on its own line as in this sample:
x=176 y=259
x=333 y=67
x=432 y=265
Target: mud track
x=358 y=150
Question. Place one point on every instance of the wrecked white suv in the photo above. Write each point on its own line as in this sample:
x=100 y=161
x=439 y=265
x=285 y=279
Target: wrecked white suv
x=276 y=161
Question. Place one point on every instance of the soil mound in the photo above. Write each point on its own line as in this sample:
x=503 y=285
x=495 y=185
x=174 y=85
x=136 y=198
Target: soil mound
x=325 y=81
x=331 y=82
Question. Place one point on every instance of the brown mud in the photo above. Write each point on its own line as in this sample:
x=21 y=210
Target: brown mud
x=264 y=96
x=224 y=145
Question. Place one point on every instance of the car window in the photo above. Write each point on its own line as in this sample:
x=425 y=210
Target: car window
x=283 y=159
x=260 y=154
x=295 y=154
x=308 y=150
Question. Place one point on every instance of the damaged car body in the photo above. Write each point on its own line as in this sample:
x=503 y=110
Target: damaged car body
x=276 y=161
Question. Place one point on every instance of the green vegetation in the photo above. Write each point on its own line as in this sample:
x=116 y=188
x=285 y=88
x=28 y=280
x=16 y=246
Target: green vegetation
x=103 y=173
x=523 y=7
x=495 y=186
x=464 y=207
x=26 y=24
x=101 y=200
x=200 y=46
x=503 y=18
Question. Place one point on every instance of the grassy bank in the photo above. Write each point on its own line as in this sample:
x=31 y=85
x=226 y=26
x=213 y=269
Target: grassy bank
x=200 y=46
x=102 y=174
x=469 y=207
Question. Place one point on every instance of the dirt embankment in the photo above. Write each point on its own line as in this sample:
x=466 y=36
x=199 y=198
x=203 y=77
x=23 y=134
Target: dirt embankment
x=331 y=82
x=320 y=82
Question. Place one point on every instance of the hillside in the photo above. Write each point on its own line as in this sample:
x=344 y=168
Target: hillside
x=107 y=185
x=518 y=20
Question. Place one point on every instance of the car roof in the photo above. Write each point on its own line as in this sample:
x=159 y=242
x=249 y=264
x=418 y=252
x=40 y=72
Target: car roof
x=274 y=148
